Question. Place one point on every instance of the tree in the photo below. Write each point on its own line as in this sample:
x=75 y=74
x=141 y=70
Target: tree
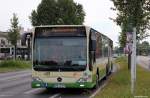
x=122 y=39
x=132 y=13
x=57 y=12
x=13 y=34
x=143 y=48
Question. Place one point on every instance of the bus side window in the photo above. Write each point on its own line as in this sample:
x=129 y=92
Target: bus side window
x=98 y=46
x=105 y=46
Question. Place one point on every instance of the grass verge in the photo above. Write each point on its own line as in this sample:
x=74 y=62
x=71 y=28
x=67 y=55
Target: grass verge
x=14 y=65
x=119 y=84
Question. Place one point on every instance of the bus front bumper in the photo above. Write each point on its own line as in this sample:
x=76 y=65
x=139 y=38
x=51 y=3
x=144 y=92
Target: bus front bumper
x=36 y=84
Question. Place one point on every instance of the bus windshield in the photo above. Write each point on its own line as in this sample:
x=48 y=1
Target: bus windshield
x=60 y=53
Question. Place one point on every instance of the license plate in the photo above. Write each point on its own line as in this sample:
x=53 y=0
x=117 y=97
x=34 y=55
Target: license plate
x=59 y=86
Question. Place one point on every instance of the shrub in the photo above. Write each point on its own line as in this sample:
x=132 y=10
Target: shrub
x=14 y=64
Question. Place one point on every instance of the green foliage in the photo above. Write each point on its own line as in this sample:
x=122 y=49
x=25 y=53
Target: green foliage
x=132 y=13
x=11 y=65
x=14 y=64
x=119 y=84
x=143 y=48
x=13 y=34
x=33 y=18
x=57 y=12
x=143 y=82
x=122 y=39
x=117 y=51
x=145 y=43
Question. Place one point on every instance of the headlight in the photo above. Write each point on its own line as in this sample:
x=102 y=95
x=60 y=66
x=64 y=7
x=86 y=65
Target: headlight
x=36 y=79
x=82 y=80
x=86 y=76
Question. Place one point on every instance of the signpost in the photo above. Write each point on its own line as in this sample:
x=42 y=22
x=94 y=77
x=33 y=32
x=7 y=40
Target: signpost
x=131 y=49
x=133 y=62
x=129 y=43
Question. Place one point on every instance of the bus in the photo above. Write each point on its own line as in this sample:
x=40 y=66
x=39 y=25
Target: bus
x=69 y=56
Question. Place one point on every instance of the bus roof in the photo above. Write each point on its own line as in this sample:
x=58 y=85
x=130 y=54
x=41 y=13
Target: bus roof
x=60 y=26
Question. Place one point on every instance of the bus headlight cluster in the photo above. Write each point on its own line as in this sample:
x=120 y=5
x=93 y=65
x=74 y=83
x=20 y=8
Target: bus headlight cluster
x=82 y=80
x=36 y=79
x=86 y=76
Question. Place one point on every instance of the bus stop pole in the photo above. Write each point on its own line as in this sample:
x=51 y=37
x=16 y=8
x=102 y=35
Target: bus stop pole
x=133 y=63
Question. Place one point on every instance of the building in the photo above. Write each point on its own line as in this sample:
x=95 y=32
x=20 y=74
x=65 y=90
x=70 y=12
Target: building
x=6 y=49
x=3 y=39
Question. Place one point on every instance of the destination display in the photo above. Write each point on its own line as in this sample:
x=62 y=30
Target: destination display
x=59 y=31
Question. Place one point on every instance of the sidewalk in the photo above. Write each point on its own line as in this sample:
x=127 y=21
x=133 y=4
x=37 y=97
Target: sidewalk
x=144 y=61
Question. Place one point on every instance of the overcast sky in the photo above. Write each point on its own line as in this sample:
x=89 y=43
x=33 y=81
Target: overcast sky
x=97 y=15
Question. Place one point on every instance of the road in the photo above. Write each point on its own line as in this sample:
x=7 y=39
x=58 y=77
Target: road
x=144 y=61
x=18 y=85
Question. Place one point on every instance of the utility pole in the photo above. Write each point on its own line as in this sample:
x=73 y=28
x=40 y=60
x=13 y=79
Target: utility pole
x=133 y=63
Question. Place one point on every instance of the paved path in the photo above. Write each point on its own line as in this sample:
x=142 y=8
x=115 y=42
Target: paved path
x=144 y=61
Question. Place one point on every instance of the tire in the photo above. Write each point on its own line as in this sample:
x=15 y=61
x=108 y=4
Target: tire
x=97 y=81
x=107 y=70
x=111 y=67
x=49 y=89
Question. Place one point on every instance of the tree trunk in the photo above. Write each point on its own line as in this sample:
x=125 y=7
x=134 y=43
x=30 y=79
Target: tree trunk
x=129 y=61
x=15 y=52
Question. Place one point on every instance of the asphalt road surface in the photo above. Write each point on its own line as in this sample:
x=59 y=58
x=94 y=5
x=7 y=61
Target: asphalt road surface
x=144 y=61
x=18 y=85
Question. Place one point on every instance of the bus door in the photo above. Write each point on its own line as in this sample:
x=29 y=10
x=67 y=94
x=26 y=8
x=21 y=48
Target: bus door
x=92 y=52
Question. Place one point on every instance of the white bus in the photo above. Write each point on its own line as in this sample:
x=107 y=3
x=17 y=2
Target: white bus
x=69 y=56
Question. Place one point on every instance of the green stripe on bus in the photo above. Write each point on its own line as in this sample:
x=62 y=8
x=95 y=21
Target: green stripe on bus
x=66 y=85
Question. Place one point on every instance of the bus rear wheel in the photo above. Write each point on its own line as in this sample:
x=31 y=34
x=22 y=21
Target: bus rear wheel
x=97 y=81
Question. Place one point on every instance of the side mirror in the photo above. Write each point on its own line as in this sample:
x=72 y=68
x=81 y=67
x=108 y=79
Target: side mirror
x=93 y=45
x=24 y=38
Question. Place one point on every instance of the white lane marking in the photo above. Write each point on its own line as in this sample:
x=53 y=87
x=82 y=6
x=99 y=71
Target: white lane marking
x=33 y=90
x=17 y=76
x=56 y=95
x=5 y=95
x=98 y=90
